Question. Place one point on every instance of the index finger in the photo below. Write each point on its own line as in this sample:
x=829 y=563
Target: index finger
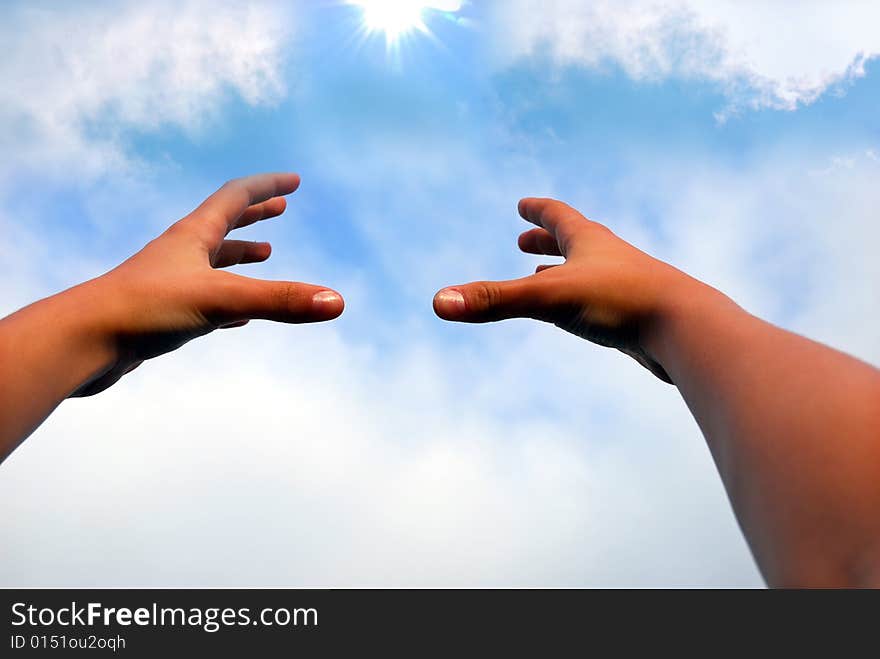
x=560 y=219
x=221 y=210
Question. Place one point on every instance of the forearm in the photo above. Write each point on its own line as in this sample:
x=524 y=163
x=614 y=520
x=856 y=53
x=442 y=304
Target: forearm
x=172 y=291
x=794 y=428
x=47 y=351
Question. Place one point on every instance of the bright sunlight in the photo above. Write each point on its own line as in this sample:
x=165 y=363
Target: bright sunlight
x=397 y=18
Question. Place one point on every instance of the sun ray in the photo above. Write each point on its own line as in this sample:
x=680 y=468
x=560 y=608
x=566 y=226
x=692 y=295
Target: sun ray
x=397 y=19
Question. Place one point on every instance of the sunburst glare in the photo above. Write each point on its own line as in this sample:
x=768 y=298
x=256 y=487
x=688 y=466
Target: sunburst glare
x=398 y=18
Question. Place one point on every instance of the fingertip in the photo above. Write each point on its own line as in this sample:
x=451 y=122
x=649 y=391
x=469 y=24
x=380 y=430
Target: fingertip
x=255 y=252
x=449 y=304
x=264 y=250
x=290 y=183
x=328 y=304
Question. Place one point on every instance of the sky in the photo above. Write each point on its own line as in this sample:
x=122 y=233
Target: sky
x=738 y=141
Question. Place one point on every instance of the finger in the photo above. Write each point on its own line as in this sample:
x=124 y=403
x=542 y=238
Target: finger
x=219 y=213
x=133 y=366
x=233 y=252
x=560 y=219
x=268 y=209
x=546 y=266
x=237 y=323
x=539 y=241
x=239 y=298
x=486 y=301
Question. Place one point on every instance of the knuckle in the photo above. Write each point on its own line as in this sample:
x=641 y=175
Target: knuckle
x=486 y=295
x=597 y=227
x=284 y=296
x=554 y=207
x=176 y=228
x=547 y=243
x=290 y=298
x=180 y=229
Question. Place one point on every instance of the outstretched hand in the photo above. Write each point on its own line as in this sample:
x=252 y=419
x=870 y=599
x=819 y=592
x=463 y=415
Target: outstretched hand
x=174 y=289
x=606 y=291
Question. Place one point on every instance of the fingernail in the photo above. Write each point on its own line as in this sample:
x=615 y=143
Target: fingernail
x=451 y=300
x=326 y=299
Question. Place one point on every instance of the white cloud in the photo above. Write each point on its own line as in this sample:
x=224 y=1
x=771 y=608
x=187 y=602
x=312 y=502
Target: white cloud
x=793 y=240
x=517 y=455
x=763 y=54
x=323 y=464
x=512 y=454
x=74 y=79
x=387 y=449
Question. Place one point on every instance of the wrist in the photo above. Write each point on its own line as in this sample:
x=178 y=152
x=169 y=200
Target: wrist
x=90 y=318
x=684 y=303
x=64 y=341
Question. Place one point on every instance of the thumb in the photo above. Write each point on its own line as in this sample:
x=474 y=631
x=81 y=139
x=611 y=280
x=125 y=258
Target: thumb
x=487 y=301
x=242 y=298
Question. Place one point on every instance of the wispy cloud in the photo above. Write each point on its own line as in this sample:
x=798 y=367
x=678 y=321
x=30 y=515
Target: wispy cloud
x=772 y=54
x=324 y=463
x=389 y=448
x=76 y=79
x=326 y=460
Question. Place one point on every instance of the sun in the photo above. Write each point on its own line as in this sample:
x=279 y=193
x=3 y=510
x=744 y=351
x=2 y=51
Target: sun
x=393 y=17
x=397 y=18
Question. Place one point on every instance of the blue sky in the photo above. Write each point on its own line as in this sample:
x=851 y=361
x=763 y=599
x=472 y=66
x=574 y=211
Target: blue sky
x=389 y=448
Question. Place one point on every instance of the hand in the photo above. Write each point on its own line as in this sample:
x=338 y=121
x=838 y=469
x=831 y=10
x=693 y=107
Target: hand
x=607 y=291
x=172 y=291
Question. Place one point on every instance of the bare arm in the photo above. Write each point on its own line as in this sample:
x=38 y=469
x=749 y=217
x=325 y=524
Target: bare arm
x=793 y=426
x=81 y=341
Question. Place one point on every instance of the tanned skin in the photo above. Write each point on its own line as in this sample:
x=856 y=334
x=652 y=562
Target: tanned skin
x=793 y=426
x=81 y=341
